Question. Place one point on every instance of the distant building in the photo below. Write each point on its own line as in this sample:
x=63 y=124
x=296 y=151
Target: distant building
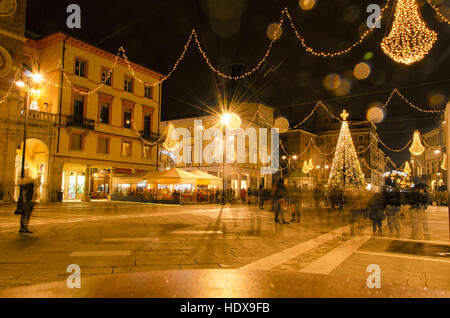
x=237 y=175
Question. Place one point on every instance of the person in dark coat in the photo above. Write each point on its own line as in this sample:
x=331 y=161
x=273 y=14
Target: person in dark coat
x=261 y=197
x=28 y=206
x=280 y=198
x=377 y=205
x=418 y=201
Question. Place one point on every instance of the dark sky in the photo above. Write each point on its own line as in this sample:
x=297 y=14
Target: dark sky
x=153 y=33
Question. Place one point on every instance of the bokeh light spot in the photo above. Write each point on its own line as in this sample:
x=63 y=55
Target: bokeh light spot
x=307 y=4
x=274 y=31
x=332 y=81
x=375 y=112
x=362 y=71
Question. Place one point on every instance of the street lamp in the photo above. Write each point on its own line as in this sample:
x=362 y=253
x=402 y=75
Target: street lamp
x=30 y=79
x=231 y=121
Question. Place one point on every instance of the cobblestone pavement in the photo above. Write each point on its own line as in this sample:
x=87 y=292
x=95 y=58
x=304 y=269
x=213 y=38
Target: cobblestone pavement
x=112 y=238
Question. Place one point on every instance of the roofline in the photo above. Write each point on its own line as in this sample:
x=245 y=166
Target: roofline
x=60 y=37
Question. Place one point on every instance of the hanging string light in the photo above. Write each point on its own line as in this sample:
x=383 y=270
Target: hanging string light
x=409 y=40
x=444 y=162
x=416 y=148
x=13 y=84
x=407 y=168
x=438 y=12
x=310 y=165
x=170 y=143
x=305 y=169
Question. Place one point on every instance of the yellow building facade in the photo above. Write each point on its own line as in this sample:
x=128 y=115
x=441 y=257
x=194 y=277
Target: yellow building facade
x=85 y=126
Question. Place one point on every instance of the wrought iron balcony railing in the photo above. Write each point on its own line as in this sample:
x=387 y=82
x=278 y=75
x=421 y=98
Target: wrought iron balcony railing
x=80 y=122
x=150 y=136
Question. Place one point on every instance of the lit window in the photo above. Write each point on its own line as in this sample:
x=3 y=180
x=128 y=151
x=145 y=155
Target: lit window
x=127 y=118
x=146 y=152
x=361 y=138
x=126 y=149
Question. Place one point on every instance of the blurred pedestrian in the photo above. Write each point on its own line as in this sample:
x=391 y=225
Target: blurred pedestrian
x=377 y=205
x=357 y=202
x=418 y=201
x=280 y=198
x=249 y=195
x=28 y=206
x=243 y=195
x=261 y=197
x=393 y=206
x=294 y=201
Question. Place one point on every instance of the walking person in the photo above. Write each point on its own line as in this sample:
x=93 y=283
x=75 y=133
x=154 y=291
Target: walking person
x=249 y=195
x=393 y=206
x=418 y=201
x=294 y=201
x=261 y=197
x=28 y=206
x=357 y=205
x=243 y=195
x=377 y=205
x=280 y=198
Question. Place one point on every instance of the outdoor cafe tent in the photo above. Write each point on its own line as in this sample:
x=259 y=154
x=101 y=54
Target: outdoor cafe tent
x=175 y=176
x=137 y=177
x=206 y=178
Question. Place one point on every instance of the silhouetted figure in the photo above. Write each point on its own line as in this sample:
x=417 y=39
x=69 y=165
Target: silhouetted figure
x=243 y=195
x=393 y=206
x=280 y=197
x=418 y=201
x=261 y=197
x=357 y=202
x=377 y=205
x=28 y=206
x=294 y=201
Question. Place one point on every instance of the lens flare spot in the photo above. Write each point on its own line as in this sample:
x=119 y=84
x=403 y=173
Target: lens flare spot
x=274 y=31
x=307 y=4
x=362 y=70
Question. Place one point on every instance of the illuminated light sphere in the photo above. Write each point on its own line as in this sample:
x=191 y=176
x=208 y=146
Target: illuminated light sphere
x=307 y=4
x=409 y=40
x=375 y=114
x=332 y=81
x=284 y=157
x=274 y=31
x=305 y=169
x=444 y=162
x=37 y=77
x=407 y=168
x=344 y=88
x=437 y=99
x=282 y=124
x=416 y=148
x=20 y=83
x=294 y=157
x=362 y=71
x=368 y=55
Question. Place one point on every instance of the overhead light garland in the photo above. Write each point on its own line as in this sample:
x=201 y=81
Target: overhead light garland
x=305 y=169
x=310 y=165
x=438 y=12
x=170 y=144
x=416 y=148
x=409 y=40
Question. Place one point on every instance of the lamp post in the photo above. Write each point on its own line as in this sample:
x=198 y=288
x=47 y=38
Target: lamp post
x=30 y=78
x=232 y=121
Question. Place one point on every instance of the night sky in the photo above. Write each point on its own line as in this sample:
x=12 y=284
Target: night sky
x=153 y=32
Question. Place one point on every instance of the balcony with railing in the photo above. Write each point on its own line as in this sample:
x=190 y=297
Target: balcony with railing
x=36 y=117
x=150 y=136
x=80 y=122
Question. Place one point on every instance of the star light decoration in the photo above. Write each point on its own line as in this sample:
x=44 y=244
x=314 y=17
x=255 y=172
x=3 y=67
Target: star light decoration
x=409 y=40
x=416 y=148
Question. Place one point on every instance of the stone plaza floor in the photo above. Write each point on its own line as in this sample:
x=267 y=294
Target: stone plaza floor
x=112 y=238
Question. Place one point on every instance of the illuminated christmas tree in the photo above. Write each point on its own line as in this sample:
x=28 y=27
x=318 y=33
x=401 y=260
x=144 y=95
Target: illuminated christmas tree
x=345 y=171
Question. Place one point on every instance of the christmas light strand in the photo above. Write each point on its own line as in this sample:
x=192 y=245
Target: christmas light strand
x=9 y=91
x=145 y=142
x=392 y=149
x=312 y=51
x=438 y=12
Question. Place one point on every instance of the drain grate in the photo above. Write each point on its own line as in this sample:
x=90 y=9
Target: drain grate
x=422 y=249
